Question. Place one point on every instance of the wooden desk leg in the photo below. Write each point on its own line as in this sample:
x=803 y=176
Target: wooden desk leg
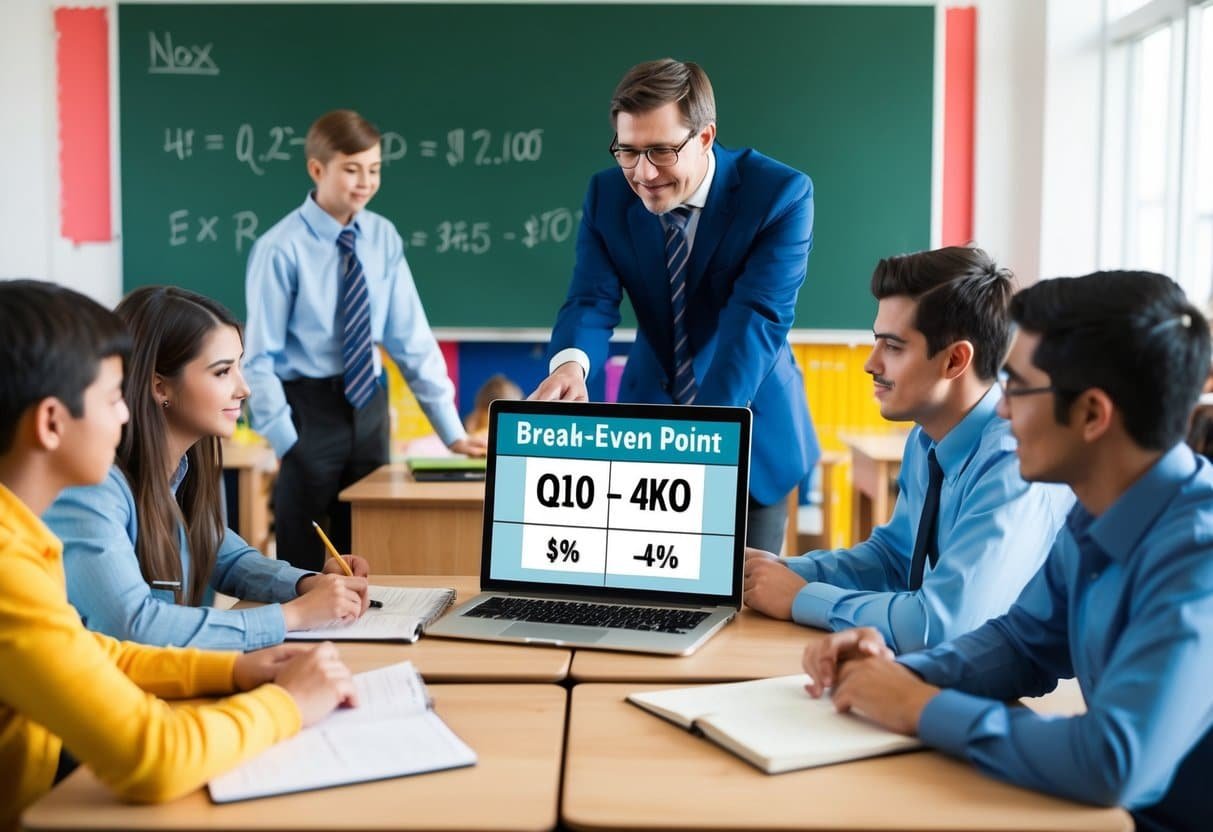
x=880 y=497
x=827 y=505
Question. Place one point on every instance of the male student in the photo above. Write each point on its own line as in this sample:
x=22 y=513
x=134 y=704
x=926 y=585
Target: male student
x=711 y=246
x=967 y=533
x=1099 y=387
x=325 y=285
x=67 y=694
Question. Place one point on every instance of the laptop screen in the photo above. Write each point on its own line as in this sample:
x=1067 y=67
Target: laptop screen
x=622 y=500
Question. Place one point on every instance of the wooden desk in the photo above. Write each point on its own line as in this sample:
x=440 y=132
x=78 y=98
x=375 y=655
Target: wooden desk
x=513 y=786
x=451 y=660
x=674 y=780
x=875 y=464
x=405 y=527
x=254 y=465
x=751 y=646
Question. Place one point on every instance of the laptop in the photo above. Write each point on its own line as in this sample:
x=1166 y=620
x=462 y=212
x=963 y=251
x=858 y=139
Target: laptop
x=610 y=526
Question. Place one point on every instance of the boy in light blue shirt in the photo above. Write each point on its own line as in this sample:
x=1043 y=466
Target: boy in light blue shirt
x=326 y=285
x=1100 y=385
x=967 y=533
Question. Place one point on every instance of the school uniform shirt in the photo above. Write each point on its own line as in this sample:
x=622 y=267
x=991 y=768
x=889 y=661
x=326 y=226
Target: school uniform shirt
x=993 y=533
x=99 y=527
x=1125 y=604
x=294 y=323
x=64 y=687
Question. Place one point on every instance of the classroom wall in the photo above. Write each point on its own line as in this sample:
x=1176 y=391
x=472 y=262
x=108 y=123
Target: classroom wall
x=1008 y=158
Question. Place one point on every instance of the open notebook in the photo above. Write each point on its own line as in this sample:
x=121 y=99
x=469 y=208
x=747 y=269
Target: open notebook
x=392 y=733
x=773 y=723
x=446 y=468
x=405 y=614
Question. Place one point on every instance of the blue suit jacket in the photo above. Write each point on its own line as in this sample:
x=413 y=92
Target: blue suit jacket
x=747 y=264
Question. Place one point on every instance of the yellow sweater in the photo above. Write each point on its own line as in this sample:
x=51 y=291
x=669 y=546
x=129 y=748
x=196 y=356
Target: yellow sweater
x=63 y=685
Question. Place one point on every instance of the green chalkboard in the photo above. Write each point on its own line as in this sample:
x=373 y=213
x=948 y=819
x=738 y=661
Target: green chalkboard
x=495 y=115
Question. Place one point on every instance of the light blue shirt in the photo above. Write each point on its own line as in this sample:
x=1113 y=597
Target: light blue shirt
x=1125 y=603
x=993 y=534
x=293 y=290
x=98 y=526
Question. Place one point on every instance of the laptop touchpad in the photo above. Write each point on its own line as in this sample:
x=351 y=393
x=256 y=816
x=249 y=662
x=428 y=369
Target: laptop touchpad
x=554 y=632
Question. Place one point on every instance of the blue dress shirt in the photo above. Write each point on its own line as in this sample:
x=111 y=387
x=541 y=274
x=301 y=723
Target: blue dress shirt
x=294 y=327
x=98 y=526
x=994 y=531
x=1125 y=603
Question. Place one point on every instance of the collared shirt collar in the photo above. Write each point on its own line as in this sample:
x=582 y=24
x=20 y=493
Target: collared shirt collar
x=178 y=477
x=25 y=527
x=321 y=222
x=1119 y=530
x=700 y=197
x=958 y=444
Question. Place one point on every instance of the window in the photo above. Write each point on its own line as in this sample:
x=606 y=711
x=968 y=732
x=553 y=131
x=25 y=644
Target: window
x=1157 y=210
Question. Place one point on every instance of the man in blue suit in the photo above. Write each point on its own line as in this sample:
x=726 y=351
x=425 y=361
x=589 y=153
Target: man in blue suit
x=711 y=246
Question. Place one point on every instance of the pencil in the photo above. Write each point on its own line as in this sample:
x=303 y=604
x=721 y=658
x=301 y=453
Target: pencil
x=328 y=544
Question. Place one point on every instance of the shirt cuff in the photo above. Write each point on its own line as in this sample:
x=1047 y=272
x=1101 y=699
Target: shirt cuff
x=814 y=603
x=284 y=586
x=567 y=355
x=264 y=626
x=445 y=422
x=923 y=663
x=280 y=433
x=804 y=566
x=947 y=721
x=212 y=672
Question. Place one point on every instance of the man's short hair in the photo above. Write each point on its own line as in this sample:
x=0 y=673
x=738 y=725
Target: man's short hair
x=339 y=131
x=1133 y=335
x=653 y=84
x=53 y=343
x=962 y=295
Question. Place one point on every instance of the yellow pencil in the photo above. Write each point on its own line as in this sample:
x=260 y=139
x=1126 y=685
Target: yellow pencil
x=328 y=544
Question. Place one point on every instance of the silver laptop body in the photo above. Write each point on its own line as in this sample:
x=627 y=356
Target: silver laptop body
x=610 y=526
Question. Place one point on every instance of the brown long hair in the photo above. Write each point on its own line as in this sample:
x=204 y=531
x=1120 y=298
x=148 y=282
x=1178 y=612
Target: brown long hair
x=168 y=326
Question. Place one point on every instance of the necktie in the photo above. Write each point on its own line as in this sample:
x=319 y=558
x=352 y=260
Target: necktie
x=927 y=542
x=677 y=253
x=356 y=343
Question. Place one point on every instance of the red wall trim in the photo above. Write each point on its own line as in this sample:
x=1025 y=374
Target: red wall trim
x=82 y=61
x=960 y=83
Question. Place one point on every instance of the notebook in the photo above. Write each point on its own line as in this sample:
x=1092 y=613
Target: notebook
x=392 y=733
x=610 y=526
x=446 y=468
x=404 y=616
x=773 y=724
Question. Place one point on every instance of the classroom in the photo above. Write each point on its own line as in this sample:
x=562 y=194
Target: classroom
x=750 y=444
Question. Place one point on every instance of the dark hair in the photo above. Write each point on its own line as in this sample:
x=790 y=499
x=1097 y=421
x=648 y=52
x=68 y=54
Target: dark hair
x=654 y=84
x=168 y=326
x=962 y=294
x=339 y=131
x=1133 y=335
x=52 y=345
x=498 y=386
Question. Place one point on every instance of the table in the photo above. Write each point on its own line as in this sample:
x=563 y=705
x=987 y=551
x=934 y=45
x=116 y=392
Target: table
x=430 y=528
x=452 y=660
x=254 y=464
x=514 y=786
x=675 y=780
x=875 y=464
x=751 y=646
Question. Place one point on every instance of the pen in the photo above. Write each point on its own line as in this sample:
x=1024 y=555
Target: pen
x=345 y=567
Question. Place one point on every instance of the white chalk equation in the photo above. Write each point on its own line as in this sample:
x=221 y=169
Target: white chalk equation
x=258 y=149
x=470 y=237
x=168 y=58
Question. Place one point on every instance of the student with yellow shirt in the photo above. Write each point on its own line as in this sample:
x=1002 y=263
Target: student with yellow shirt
x=66 y=693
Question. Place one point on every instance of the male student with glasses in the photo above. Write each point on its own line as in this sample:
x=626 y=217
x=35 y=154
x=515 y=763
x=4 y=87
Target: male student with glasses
x=711 y=246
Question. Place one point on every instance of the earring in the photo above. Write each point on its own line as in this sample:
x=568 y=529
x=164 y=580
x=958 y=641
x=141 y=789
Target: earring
x=164 y=404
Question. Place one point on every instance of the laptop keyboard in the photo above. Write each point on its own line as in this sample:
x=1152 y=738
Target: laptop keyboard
x=648 y=619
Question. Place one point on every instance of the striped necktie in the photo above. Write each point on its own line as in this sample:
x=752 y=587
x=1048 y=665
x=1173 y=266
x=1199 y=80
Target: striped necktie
x=356 y=343
x=677 y=253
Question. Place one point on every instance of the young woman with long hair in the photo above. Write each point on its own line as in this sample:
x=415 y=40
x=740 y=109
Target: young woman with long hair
x=146 y=550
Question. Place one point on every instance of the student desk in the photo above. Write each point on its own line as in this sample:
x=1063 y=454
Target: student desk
x=674 y=780
x=514 y=786
x=254 y=464
x=451 y=660
x=875 y=464
x=751 y=646
x=405 y=527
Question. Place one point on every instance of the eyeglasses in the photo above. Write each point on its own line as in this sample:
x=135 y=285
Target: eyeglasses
x=662 y=157
x=1009 y=391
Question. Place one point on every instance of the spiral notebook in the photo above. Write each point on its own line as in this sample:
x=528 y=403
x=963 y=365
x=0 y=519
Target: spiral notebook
x=404 y=616
x=393 y=732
